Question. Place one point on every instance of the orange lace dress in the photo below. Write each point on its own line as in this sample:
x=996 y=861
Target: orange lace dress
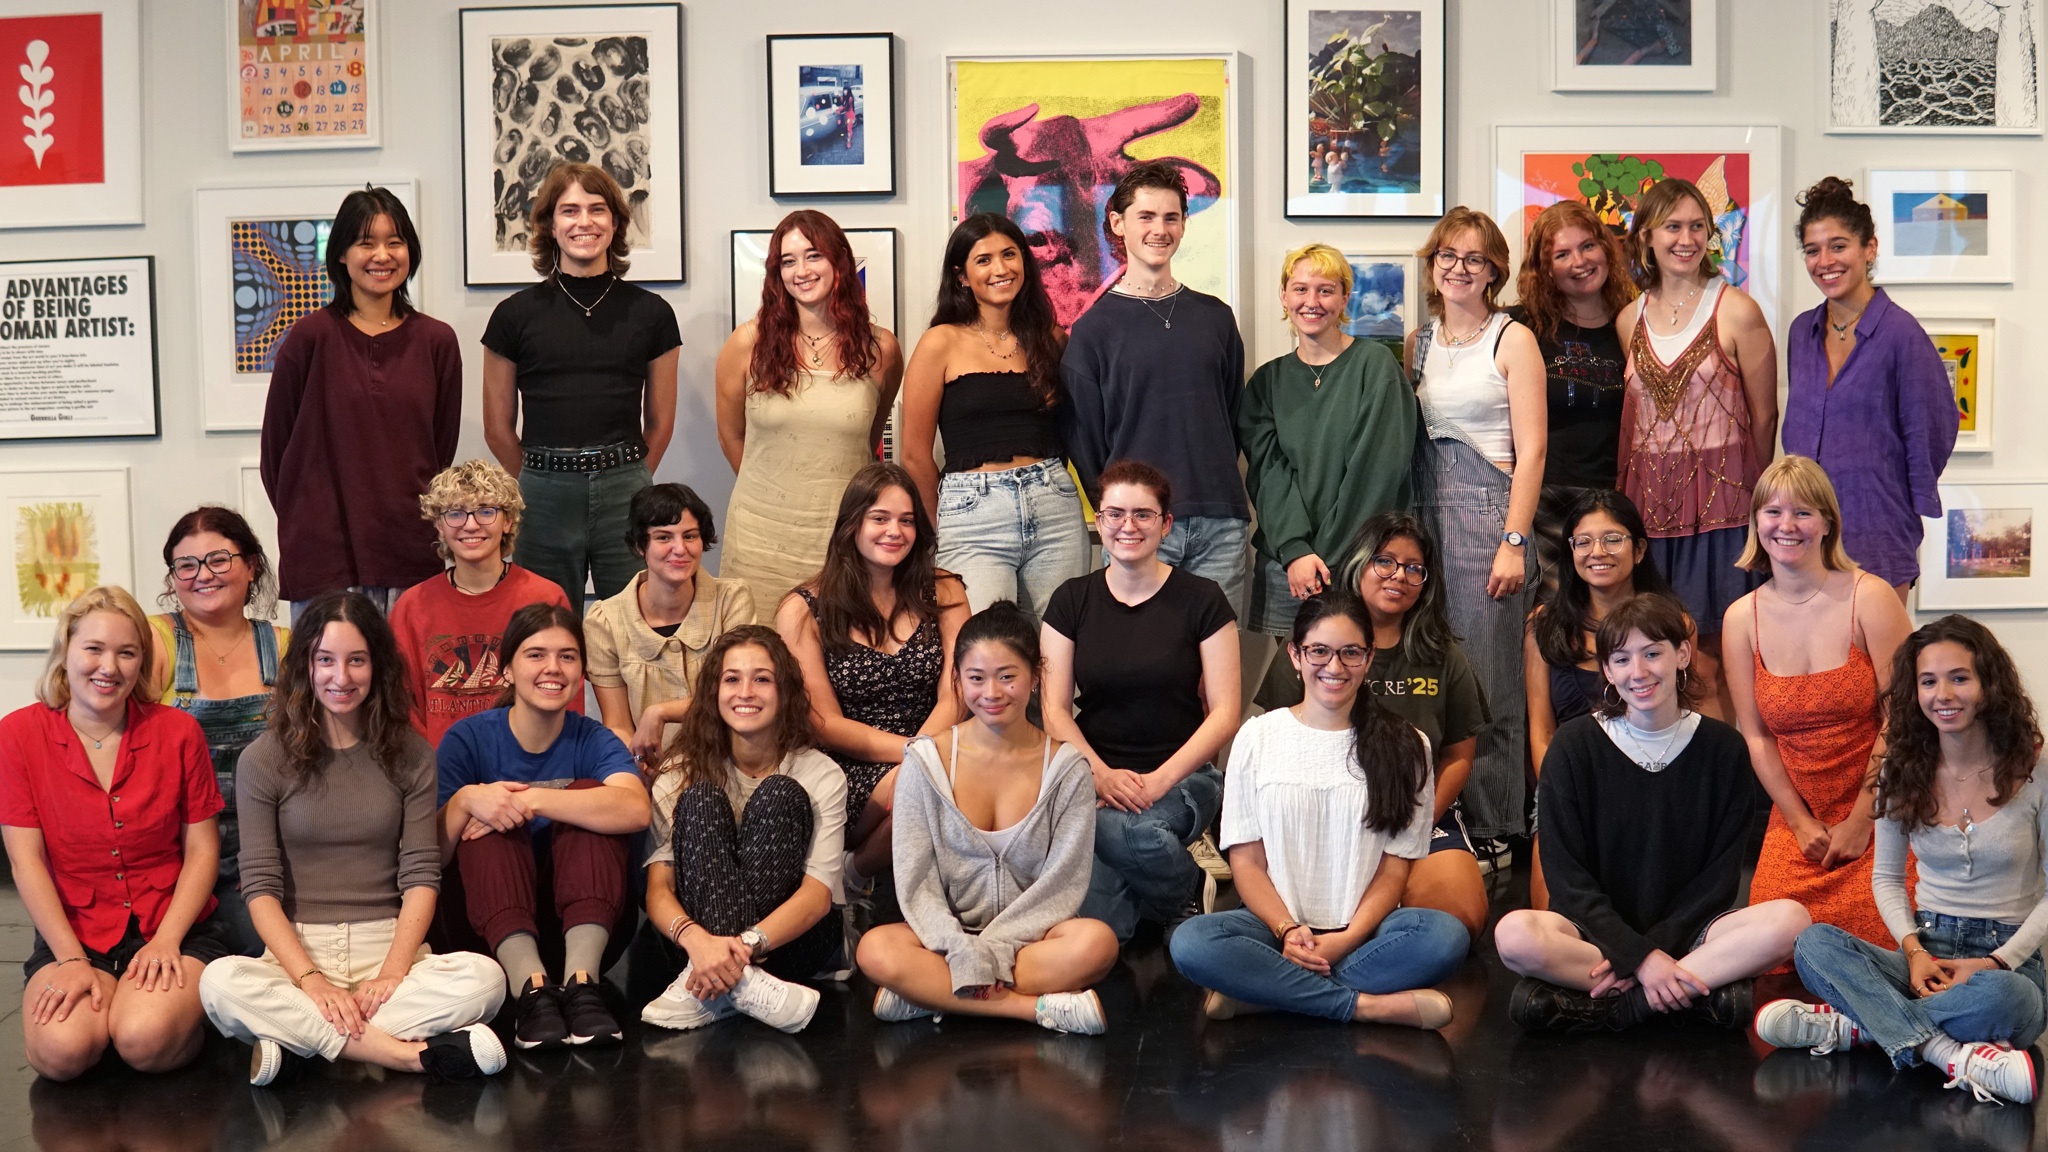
x=1826 y=724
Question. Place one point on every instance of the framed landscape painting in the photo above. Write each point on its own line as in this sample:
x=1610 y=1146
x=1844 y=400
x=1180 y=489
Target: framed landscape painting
x=832 y=115
x=1980 y=553
x=1365 y=108
x=1943 y=227
x=71 y=151
x=306 y=75
x=1932 y=67
x=1383 y=298
x=1634 y=45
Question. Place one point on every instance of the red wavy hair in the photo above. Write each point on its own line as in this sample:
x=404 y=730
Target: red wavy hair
x=773 y=366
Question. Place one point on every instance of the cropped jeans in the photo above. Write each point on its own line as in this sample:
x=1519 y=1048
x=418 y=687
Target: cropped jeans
x=1016 y=534
x=1142 y=867
x=1868 y=984
x=1235 y=953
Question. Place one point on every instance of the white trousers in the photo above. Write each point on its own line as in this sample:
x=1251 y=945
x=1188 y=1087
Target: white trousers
x=253 y=1000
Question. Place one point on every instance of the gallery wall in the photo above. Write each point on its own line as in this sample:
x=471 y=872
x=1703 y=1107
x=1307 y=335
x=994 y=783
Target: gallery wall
x=1771 y=72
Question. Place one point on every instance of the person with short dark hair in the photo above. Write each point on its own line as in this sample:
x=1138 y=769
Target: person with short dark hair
x=580 y=384
x=1153 y=373
x=647 y=643
x=365 y=405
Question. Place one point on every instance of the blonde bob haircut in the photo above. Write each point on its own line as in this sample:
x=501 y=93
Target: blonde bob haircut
x=474 y=484
x=54 y=689
x=1492 y=244
x=1801 y=479
x=1324 y=261
x=1655 y=207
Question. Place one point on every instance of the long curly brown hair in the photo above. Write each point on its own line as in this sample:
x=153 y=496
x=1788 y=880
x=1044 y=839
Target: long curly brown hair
x=1542 y=301
x=702 y=743
x=295 y=711
x=846 y=604
x=773 y=367
x=1906 y=788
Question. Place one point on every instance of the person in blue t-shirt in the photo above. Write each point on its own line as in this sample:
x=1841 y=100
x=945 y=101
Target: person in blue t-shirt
x=535 y=799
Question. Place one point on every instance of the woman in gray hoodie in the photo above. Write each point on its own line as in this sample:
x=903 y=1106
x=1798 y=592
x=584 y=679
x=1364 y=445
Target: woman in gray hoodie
x=994 y=842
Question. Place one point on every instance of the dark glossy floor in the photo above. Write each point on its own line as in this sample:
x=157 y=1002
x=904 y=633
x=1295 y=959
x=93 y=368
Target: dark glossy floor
x=1162 y=1079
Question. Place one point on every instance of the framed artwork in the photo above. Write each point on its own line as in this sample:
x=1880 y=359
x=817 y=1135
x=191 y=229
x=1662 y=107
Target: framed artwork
x=1365 y=108
x=261 y=255
x=1735 y=167
x=71 y=154
x=874 y=256
x=1930 y=67
x=68 y=531
x=1043 y=140
x=1634 y=45
x=80 y=348
x=305 y=75
x=254 y=505
x=1952 y=226
x=1383 y=298
x=1968 y=348
x=1980 y=553
x=832 y=115
x=595 y=85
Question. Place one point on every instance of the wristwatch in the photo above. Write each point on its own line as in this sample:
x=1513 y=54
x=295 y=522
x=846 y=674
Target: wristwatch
x=756 y=942
x=1514 y=539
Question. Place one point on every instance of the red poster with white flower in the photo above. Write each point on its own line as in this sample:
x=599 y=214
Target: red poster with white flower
x=57 y=59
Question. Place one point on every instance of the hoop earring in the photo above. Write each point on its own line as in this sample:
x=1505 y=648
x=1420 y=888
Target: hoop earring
x=1681 y=681
x=1610 y=691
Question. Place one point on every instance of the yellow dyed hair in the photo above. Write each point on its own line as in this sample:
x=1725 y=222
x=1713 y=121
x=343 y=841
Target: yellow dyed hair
x=1324 y=261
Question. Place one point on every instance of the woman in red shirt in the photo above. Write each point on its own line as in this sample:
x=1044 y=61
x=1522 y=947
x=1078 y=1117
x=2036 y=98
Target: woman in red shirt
x=108 y=804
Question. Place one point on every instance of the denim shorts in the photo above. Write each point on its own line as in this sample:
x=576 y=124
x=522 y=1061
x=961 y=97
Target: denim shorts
x=1014 y=534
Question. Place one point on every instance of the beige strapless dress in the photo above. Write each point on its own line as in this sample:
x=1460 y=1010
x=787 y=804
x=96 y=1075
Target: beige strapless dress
x=801 y=450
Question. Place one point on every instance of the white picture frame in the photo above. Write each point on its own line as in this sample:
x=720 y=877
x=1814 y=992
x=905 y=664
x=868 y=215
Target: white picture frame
x=1957 y=241
x=1972 y=369
x=494 y=250
x=1980 y=555
x=253 y=502
x=234 y=394
x=68 y=531
x=805 y=115
x=87 y=367
x=66 y=170
x=1313 y=28
x=1573 y=37
x=308 y=72
x=1851 y=67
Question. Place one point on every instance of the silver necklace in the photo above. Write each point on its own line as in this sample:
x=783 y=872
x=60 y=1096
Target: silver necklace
x=1652 y=761
x=1681 y=304
x=109 y=735
x=1174 y=296
x=592 y=306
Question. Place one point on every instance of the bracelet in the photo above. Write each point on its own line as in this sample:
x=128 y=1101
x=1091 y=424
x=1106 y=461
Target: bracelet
x=73 y=960
x=2002 y=964
x=676 y=930
x=299 y=980
x=1281 y=932
x=1915 y=948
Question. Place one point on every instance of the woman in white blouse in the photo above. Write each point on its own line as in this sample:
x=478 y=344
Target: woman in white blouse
x=1325 y=806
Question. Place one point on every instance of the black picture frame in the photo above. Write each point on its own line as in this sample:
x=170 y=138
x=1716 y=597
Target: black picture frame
x=54 y=424
x=801 y=159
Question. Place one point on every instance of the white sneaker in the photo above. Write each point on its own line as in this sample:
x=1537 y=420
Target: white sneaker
x=893 y=1009
x=775 y=1002
x=1078 y=1012
x=1992 y=1074
x=676 y=1008
x=1796 y=1024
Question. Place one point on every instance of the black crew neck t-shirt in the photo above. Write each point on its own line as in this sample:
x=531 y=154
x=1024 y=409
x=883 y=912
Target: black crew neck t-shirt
x=582 y=378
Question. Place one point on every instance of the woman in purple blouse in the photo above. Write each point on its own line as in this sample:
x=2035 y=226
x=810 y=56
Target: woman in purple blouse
x=1869 y=397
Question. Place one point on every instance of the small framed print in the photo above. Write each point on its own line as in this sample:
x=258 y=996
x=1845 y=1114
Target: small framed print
x=71 y=148
x=305 y=75
x=1930 y=67
x=1382 y=304
x=68 y=532
x=1634 y=45
x=832 y=115
x=1943 y=226
x=1980 y=553
x=874 y=258
x=1968 y=351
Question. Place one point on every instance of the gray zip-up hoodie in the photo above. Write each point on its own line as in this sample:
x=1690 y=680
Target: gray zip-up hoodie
x=968 y=902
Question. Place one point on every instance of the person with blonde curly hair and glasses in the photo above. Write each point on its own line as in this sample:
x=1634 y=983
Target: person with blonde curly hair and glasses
x=448 y=626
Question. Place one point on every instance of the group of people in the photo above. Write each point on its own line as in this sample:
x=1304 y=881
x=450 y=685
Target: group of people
x=1534 y=552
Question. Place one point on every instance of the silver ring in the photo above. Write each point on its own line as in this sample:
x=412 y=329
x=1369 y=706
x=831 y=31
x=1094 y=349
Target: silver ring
x=49 y=987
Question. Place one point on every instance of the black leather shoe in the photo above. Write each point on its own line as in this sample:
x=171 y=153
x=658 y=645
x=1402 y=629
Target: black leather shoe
x=1536 y=1005
x=1731 y=1006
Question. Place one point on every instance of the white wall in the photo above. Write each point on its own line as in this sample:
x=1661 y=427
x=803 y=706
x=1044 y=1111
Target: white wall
x=1771 y=73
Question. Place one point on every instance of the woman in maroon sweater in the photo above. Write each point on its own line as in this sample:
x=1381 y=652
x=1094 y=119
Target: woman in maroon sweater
x=365 y=405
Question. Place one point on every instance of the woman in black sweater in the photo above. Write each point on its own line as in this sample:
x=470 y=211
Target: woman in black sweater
x=1645 y=809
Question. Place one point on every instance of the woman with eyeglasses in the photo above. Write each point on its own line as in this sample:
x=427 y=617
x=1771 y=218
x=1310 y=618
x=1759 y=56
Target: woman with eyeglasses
x=1603 y=535
x=1141 y=677
x=1479 y=473
x=449 y=626
x=216 y=655
x=1420 y=674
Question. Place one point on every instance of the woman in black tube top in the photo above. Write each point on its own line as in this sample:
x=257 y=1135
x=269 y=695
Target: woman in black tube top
x=985 y=383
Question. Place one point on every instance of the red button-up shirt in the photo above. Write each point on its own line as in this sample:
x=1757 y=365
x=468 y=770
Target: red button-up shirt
x=114 y=852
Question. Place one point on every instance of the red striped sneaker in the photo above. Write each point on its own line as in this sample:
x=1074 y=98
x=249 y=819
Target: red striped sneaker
x=1796 y=1024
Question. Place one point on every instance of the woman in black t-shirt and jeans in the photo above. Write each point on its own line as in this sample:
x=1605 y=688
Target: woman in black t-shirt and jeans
x=1572 y=286
x=1147 y=653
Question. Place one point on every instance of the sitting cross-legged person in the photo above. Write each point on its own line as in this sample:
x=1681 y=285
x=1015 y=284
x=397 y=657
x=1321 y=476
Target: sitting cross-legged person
x=1645 y=814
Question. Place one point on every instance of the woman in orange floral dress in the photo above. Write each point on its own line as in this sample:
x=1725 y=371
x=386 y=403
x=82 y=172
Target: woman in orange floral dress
x=1810 y=713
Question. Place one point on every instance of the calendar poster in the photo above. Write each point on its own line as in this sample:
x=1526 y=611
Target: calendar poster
x=305 y=74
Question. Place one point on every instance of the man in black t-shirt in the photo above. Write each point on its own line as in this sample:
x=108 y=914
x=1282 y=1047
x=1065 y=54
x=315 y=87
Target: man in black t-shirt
x=589 y=361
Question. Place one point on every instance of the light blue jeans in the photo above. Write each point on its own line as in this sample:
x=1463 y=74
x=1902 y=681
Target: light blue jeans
x=1215 y=547
x=1234 y=953
x=1142 y=867
x=1869 y=985
x=1016 y=534
x=574 y=528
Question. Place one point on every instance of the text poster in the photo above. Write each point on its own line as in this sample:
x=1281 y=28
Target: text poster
x=78 y=348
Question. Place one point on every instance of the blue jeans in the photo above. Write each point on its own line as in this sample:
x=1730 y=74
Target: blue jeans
x=1215 y=547
x=1016 y=534
x=574 y=528
x=1868 y=984
x=1234 y=953
x=1142 y=867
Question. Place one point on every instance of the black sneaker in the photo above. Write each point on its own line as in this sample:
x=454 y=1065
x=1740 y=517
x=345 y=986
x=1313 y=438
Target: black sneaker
x=1539 y=1006
x=589 y=1018
x=539 y=1018
x=464 y=1054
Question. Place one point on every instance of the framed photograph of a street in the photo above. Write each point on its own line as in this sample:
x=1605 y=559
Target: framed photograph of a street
x=832 y=115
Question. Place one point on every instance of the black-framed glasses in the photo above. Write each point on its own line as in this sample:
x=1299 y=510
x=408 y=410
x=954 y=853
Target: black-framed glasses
x=1608 y=541
x=1352 y=655
x=454 y=517
x=1474 y=262
x=217 y=562
x=1386 y=567
x=1142 y=517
